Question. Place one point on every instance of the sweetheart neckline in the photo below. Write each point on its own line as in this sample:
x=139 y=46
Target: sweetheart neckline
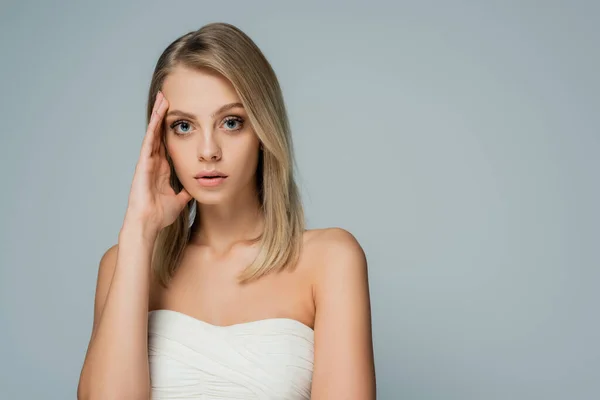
x=236 y=325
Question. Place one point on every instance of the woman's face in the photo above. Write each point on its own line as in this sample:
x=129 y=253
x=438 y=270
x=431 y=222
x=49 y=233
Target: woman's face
x=206 y=128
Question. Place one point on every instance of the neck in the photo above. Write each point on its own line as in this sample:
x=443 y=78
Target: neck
x=222 y=226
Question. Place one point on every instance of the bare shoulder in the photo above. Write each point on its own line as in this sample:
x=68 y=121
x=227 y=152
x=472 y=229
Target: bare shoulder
x=333 y=235
x=337 y=245
x=336 y=256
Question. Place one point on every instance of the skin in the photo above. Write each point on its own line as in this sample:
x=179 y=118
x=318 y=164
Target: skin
x=328 y=291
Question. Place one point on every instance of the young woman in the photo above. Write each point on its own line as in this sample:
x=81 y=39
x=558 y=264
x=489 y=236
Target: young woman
x=215 y=289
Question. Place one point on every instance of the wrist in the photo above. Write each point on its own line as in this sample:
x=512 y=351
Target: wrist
x=137 y=230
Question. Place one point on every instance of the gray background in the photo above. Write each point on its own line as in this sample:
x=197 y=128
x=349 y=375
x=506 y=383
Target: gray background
x=459 y=142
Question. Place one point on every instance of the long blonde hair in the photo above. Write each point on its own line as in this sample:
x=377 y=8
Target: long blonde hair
x=224 y=48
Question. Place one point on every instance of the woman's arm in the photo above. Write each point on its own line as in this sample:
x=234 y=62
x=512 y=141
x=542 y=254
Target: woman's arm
x=116 y=363
x=343 y=363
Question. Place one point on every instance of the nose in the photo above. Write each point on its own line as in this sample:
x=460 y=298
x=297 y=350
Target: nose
x=208 y=148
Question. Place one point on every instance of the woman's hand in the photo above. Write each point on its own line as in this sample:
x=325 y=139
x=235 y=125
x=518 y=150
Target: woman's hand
x=152 y=201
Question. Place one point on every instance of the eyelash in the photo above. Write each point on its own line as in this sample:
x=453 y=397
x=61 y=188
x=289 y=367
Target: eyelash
x=225 y=120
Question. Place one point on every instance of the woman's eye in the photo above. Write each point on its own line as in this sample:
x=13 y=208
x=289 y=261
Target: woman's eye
x=233 y=123
x=184 y=127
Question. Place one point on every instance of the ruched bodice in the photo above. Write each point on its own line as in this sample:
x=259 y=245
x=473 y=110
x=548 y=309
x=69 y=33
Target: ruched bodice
x=264 y=359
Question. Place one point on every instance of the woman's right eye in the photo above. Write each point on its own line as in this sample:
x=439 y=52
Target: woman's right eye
x=184 y=126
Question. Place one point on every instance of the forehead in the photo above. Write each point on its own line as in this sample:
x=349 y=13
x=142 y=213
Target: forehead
x=197 y=90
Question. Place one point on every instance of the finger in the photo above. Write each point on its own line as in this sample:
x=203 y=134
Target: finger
x=157 y=100
x=158 y=134
x=162 y=156
x=162 y=152
x=149 y=139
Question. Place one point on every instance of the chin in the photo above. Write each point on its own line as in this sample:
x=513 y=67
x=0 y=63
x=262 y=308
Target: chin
x=210 y=198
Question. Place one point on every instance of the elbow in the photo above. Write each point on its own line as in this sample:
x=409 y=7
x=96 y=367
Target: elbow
x=83 y=392
x=105 y=392
x=106 y=395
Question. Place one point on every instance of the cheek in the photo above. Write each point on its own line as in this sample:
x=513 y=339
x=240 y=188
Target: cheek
x=178 y=156
x=172 y=153
x=243 y=147
x=250 y=156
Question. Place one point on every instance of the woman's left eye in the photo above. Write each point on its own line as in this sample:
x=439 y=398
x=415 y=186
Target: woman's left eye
x=231 y=121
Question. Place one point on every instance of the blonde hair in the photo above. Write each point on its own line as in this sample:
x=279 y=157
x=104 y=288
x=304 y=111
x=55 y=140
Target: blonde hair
x=225 y=49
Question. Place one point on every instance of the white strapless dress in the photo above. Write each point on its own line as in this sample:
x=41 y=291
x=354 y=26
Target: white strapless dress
x=264 y=359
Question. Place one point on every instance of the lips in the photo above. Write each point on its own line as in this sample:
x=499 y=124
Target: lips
x=210 y=181
x=210 y=174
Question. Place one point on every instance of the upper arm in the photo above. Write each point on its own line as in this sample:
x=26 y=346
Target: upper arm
x=343 y=361
x=106 y=271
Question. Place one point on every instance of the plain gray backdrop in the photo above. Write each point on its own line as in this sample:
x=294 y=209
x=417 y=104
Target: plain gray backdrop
x=458 y=141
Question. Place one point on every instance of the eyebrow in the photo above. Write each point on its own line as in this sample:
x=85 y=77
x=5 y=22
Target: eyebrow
x=220 y=110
